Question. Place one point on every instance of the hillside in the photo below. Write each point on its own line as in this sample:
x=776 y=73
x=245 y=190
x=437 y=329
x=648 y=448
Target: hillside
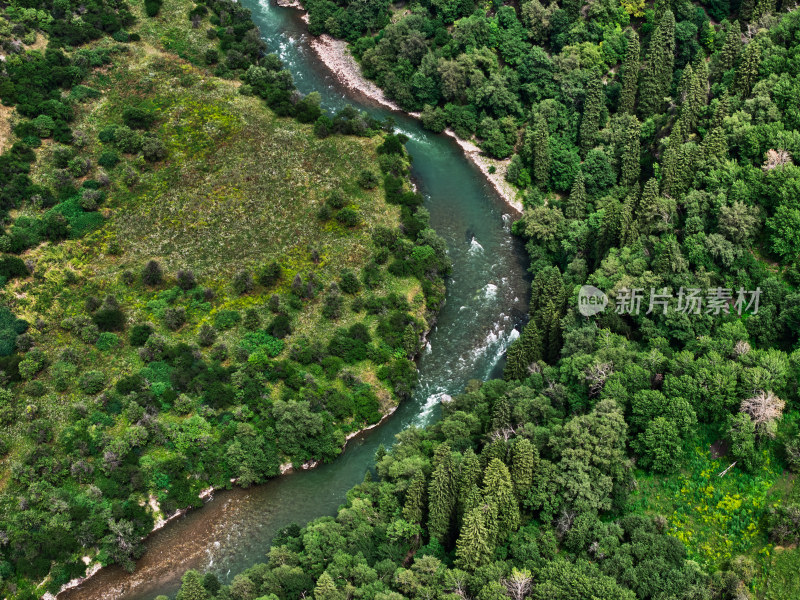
x=196 y=290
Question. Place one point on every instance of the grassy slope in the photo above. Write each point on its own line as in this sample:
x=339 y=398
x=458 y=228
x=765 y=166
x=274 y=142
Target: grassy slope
x=240 y=187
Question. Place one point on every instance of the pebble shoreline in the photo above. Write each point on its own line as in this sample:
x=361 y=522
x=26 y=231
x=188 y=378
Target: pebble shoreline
x=335 y=55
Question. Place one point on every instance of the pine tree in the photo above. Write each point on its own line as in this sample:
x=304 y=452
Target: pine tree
x=524 y=457
x=629 y=226
x=747 y=73
x=715 y=146
x=469 y=476
x=501 y=413
x=727 y=56
x=516 y=366
x=648 y=204
x=576 y=203
x=192 y=587
x=722 y=110
x=763 y=7
x=698 y=93
x=685 y=85
x=326 y=588
x=472 y=547
x=523 y=351
x=631 y=149
x=657 y=75
x=414 y=505
x=630 y=73
x=610 y=228
x=746 y=9
x=441 y=495
x=541 y=152
x=498 y=490
x=590 y=122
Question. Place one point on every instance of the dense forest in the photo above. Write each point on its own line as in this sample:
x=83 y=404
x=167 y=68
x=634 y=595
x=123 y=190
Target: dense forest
x=650 y=450
x=154 y=342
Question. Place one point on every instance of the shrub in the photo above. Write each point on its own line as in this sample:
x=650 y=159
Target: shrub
x=367 y=179
x=107 y=341
x=333 y=305
x=91 y=199
x=207 y=335
x=92 y=382
x=211 y=56
x=152 y=7
x=153 y=149
x=348 y=217
x=281 y=326
x=137 y=117
x=324 y=213
x=242 y=282
x=78 y=166
x=139 y=334
x=174 y=317
x=252 y=320
x=225 y=319
x=109 y=318
x=269 y=274
x=152 y=274
x=127 y=140
x=349 y=282
x=186 y=279
x=336 y=200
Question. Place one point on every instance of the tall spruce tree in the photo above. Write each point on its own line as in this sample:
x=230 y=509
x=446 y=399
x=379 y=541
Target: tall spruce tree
x=630 y=73
x=524 y=457
x=441 y=495
x=414 y=505
x=592 y=107
x=631 y=150
x=498 y=490
x=576 y=203
x=657 y=74
x=540 y=152
x=726 y=57
x=747 y=72
x=472 y=548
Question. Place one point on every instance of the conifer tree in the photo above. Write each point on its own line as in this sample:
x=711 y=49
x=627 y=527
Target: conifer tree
x=472 y=547
x=747 y=72
x=192 y=587
x=524 y=457
x=630 y=73
x=441 y=495
x=415 y=499
x=727 y=56
x=700 y=84
x=468 y=478
x=648 y=204
x=326 y=588
x=498 y=490
x=657 y=74
x=629 y=226
x=746 y=9
x=541 y=152
x=501 y=413
x=631 y=149
x=516 y=366
x=763 y=7
x=576 y=203
x=722 y=110
x=715 y=145
x=590 y=121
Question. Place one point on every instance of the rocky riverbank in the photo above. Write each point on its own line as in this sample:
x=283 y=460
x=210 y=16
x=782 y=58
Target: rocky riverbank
x=335 y=55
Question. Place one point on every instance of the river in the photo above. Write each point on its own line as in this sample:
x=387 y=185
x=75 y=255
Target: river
x=487 y=296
